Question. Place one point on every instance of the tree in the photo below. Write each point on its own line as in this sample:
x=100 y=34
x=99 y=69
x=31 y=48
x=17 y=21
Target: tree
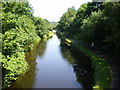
x=11 y=11
x=18 y=33
x=66 y=19
x=83 y=12
x=42 y=26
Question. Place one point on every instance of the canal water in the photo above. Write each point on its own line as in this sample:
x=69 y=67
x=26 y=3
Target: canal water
x=56 y=66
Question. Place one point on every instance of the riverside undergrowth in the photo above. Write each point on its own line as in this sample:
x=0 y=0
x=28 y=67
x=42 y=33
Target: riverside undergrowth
x=20 y=31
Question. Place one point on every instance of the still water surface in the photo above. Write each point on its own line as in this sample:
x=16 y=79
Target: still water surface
x=53 y=66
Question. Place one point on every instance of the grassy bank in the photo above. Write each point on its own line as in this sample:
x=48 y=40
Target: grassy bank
x=102 y=71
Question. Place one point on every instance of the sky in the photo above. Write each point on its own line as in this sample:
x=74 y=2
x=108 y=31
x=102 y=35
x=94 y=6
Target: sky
x=52 y=10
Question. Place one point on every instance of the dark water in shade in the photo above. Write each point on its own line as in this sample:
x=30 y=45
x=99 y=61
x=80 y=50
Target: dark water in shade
x=53 y=66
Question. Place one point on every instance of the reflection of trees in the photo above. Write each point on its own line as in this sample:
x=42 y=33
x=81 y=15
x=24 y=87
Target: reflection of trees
x=83 y=69
x=67 y=55
x=81 y=65
x=41 y=48
x=27 y=81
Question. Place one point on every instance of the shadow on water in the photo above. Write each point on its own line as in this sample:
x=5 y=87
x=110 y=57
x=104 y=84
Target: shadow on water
x=81 y=64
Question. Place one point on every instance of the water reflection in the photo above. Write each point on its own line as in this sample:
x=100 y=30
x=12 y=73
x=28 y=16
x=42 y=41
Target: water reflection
x=57 y=67
x=41 y=48
x=53 y=71
x=81 y=65
x=28 y=80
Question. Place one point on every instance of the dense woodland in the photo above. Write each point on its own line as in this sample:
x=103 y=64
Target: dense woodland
x=96 y=23
x=20 y=30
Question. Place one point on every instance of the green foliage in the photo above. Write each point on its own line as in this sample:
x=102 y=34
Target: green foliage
x=66 y=19
x=0 y=42
x=42 y=27
x=82 y=13
x=11 y=11
x=72 y=23
x=13 y=66
x=8 y=21
x=102 y=71
x=13 y=50
x=112 y=38
x=17 y=8
x=88 y=29
x=102 y=28
x=53 y=24
x=96 y=23
x=20 y=31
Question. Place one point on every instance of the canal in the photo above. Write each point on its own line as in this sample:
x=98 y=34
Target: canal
x=56 y=66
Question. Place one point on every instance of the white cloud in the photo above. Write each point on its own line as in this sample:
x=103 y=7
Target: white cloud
x=52 y=10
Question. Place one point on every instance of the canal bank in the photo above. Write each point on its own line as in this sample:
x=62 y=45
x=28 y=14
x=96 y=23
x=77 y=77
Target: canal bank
x=54 y=66
x=104 y=77
x=57 y=66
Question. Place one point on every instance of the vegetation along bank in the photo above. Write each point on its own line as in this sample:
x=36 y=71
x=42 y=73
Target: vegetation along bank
x=95 y=27
x=20 y=31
